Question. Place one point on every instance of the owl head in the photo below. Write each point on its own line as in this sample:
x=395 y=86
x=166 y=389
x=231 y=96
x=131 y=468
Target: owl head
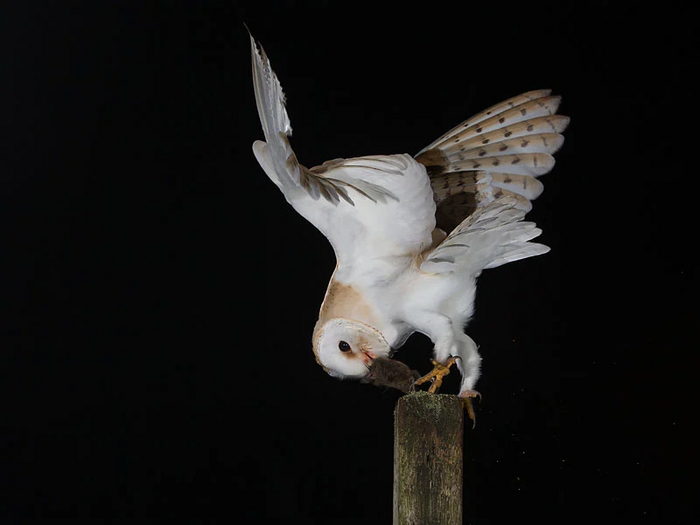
x=346 y=348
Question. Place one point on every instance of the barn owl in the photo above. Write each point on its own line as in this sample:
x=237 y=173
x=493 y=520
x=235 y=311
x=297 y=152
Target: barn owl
x=410 y=234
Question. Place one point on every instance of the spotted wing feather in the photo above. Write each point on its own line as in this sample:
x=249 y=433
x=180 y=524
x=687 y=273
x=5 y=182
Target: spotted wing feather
x=497 y=153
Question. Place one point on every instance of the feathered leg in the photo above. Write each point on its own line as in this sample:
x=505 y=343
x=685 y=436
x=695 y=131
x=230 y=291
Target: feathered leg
x=469 y=365
x=440 y=330
x=451 y=347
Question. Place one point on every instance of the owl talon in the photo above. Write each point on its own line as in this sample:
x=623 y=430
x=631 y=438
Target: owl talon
x=467 y=403
x=436 y=374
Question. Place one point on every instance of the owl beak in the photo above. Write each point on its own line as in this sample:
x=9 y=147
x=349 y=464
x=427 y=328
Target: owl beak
x=368 y=357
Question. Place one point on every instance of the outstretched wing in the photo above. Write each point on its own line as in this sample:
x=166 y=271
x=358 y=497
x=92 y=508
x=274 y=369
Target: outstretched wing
x=370 y=208
x=499 y=152
x=493 y=235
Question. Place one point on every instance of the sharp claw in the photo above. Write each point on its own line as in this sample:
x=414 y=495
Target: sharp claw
x=470 y=410
x=467 y=402
x=436 y=374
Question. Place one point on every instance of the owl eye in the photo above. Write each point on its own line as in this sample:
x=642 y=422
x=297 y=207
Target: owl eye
x=343 y=346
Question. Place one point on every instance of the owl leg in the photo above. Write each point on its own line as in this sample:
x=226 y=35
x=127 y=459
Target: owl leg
x=440 y=330
x=450 y=347
x=469 y=365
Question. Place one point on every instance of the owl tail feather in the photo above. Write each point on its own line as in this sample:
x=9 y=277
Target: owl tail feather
x=492 y=236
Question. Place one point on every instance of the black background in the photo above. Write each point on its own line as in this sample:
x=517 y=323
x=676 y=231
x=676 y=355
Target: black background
x=159 y=294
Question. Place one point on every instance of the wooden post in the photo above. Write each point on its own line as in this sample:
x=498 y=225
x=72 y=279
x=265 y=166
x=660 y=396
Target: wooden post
x=428 y=436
